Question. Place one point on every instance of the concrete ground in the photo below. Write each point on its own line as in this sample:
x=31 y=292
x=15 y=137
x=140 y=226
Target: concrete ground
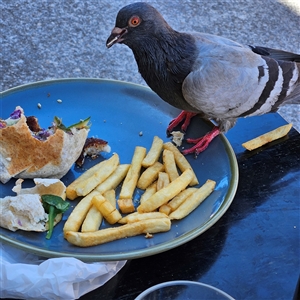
x=43 y=39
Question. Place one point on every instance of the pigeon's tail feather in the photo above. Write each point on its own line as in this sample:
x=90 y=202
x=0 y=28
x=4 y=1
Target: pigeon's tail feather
x=295 y=99
x=275 y=53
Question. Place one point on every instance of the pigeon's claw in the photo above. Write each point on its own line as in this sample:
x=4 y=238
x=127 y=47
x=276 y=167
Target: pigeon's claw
x=184 y=117
x=201 y=143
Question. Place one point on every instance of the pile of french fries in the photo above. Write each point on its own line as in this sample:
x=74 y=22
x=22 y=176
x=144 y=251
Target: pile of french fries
x=164 y=174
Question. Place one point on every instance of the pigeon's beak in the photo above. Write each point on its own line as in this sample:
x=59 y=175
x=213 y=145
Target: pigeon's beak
x=116 y=36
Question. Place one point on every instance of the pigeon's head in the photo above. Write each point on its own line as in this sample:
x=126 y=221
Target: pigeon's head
x=134 y=23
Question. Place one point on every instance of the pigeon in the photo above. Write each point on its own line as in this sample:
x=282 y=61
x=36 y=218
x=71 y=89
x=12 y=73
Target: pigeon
x=204 y=74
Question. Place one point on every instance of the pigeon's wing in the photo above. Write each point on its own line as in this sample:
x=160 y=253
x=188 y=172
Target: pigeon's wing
x=283 y=58
x=275 y=53
x=229 y=80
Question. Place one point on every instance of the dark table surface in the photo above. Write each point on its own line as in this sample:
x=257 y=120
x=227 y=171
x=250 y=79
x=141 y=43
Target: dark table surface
x=252 y=252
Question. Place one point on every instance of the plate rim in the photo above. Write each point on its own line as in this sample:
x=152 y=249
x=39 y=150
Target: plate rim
x=229 y=197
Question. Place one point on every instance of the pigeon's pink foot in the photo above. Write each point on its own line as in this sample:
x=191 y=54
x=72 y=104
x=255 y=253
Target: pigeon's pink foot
x=183 y=116
x=202 y=143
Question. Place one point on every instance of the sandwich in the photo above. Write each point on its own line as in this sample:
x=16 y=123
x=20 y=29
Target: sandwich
x=29 y=151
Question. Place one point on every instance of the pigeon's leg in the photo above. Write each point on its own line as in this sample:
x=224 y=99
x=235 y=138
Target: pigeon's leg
x=183 y=116
x=202 y=143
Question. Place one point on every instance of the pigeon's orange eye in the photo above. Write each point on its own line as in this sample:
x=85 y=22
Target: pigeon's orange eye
x=134 y=21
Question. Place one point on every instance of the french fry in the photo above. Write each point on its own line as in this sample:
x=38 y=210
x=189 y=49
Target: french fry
x=165 y=209
x=181 y=161
x=194 y=200
x=136 y=217
x=106 y=168
x=79 y=213
x=92 y=220
x=165 y=189
x=163 y=180
x=114 y=179
x=149 y=175
x=150 y=190
x=154 y=152
x=110 y=213
x=165 y=194
x=110 y=196
x=86 y=239
x=180 y=198
x=124 y=219
x=267 y=137
x=133 y=173
x=71 y=188
x=126 y=206
x=170 y=164
x=176 y=201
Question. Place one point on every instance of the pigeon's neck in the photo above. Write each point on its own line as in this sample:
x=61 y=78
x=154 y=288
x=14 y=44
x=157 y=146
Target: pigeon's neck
x=163 y=52
x=164 y=61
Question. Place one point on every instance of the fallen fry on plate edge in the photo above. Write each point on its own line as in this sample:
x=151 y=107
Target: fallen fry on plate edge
x=267 y=137
x=86 y=239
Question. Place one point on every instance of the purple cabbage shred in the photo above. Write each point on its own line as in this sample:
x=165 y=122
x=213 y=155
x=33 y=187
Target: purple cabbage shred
x=43 y=134
x=16 y=114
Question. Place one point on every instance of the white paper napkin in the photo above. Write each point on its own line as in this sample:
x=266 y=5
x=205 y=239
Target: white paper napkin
x=28 y=276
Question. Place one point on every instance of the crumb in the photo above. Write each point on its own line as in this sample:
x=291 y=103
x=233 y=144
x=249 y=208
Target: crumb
x=140 y=133
x=8 y=158
x=59 y=100
x=39 y=105
x=177 y=137
x=148 y=235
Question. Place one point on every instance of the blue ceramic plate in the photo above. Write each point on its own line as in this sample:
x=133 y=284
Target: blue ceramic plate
x=119 y=113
